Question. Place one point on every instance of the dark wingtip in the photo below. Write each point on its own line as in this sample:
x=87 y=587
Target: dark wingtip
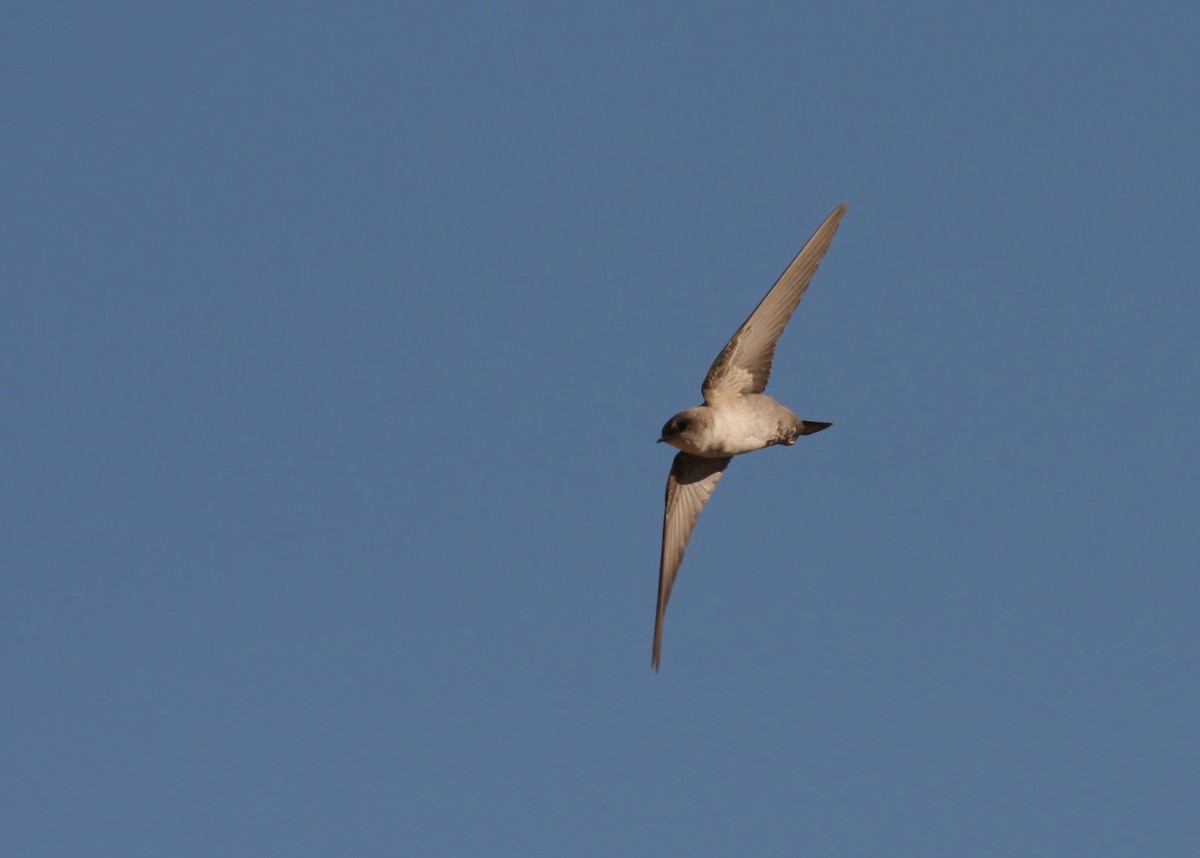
x=811 y=427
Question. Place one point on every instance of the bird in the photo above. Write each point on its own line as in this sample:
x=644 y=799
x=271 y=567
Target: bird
x=736 y=417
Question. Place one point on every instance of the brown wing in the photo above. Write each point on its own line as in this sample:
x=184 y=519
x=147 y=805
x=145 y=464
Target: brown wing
x=689 y=487
x=744 y=365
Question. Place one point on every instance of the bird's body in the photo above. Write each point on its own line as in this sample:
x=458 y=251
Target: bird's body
x=736 y=416
x=734 y=424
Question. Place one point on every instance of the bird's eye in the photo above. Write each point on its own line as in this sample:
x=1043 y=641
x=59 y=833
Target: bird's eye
x=682 y=425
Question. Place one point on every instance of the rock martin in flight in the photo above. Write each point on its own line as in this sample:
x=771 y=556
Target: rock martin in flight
x=736 y=417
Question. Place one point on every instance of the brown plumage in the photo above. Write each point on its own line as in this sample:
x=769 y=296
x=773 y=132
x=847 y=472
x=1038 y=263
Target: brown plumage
x=736 y=417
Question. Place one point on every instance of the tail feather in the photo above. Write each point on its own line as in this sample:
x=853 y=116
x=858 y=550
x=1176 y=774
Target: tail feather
x=811 y=427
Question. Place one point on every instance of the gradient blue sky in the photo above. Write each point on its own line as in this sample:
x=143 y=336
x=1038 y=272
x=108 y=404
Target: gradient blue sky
x=336 y=338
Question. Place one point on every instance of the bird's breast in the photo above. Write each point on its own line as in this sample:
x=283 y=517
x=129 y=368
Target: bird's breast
x=749 y=423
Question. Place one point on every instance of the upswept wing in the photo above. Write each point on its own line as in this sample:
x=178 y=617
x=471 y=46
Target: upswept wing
x=744 y=365
x=689 y=487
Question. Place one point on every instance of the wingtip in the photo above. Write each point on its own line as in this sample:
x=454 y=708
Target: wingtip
x=656 y=650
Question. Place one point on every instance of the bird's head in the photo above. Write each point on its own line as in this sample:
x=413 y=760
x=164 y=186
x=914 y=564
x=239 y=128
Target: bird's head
x=684 y=429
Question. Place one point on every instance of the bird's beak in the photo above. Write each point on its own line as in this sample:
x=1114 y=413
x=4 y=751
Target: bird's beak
x=660 y=440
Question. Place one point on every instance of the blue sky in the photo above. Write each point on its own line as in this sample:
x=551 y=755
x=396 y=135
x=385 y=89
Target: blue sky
x=335 y=342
